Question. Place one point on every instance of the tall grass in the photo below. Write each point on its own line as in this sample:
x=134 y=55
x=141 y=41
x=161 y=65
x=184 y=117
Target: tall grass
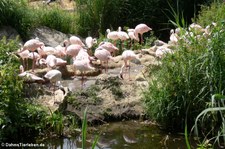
x=186 y=80
x=56 y=18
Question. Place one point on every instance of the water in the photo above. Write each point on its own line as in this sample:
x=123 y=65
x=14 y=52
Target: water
x=124 y=135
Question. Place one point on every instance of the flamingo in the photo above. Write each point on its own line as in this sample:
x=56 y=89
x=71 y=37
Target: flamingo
x=103 y=55
x=162 y=50
x=109 y=46
x=127 y=55
x=60 y=51
x=46 y=50
x=54 y=76
x=112 y=35
x=141 y=29
x=132 y=36
x=123 y=36
x=173 y=37
x=29 y=77
x=24 y=56
x=32 y=45
x=90 y=42
x=76 y=40
x=82 y=63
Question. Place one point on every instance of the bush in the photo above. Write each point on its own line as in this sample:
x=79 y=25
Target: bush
x=183 y=85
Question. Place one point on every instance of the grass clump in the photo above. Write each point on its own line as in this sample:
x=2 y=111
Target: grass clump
x=187 y=79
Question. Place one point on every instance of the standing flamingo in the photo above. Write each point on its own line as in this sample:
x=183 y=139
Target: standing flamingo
x=123 y=36
x=127 y=55
x=82 y=63
x=24 y=56
x=89 y=41
x=112 y=35
x=103 y=55
x=32 y=45
x=109 y=46
x=132 y=36
x=141 y=29
x=54 y=76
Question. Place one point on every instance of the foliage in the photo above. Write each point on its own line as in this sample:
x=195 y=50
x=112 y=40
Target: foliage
x=186 y=79
x=56 y=18
x=84 y=131
x=16 y=13
x=213 y=119
x=212 y=13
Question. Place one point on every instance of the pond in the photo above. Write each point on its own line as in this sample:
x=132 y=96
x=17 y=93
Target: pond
x=124 y=135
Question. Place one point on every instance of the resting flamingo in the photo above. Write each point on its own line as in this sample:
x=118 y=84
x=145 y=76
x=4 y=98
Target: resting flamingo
x=90 y=42
x=29 y=77
x=127 y=55
x=141 y=29
x=32 y=45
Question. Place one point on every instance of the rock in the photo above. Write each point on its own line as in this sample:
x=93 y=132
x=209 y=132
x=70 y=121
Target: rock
x=140 y=77
x=10 y=33
x=50 y=37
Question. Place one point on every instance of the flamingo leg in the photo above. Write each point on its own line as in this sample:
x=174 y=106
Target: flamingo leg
x=33 y=63
x=142 y=40
x=82 y=80
x=129 y=73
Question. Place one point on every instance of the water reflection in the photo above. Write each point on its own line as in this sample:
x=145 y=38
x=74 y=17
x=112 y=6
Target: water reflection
x=125 y=135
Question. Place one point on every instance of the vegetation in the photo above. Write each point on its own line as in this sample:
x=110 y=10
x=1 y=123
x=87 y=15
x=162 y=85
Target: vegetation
x=183 y=85
x=18 y=117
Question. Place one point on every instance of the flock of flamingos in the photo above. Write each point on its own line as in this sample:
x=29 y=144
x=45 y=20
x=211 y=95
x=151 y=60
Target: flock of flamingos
x=80 y=52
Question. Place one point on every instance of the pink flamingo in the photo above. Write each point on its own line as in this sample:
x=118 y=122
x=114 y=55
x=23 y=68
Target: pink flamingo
x=123 y=36
x=76 y=40
x=103 y=55
x=73 y=49
x=29 y=77
x=132 y=36
x=112 y=35
x=60 y=51
x=32 y=45
x=141 y=29
x=109 y=46
x=82 y=63
x=24 y=56
x=127 y=55
x=90 y=42
x=46 y=50
x=54 y=76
